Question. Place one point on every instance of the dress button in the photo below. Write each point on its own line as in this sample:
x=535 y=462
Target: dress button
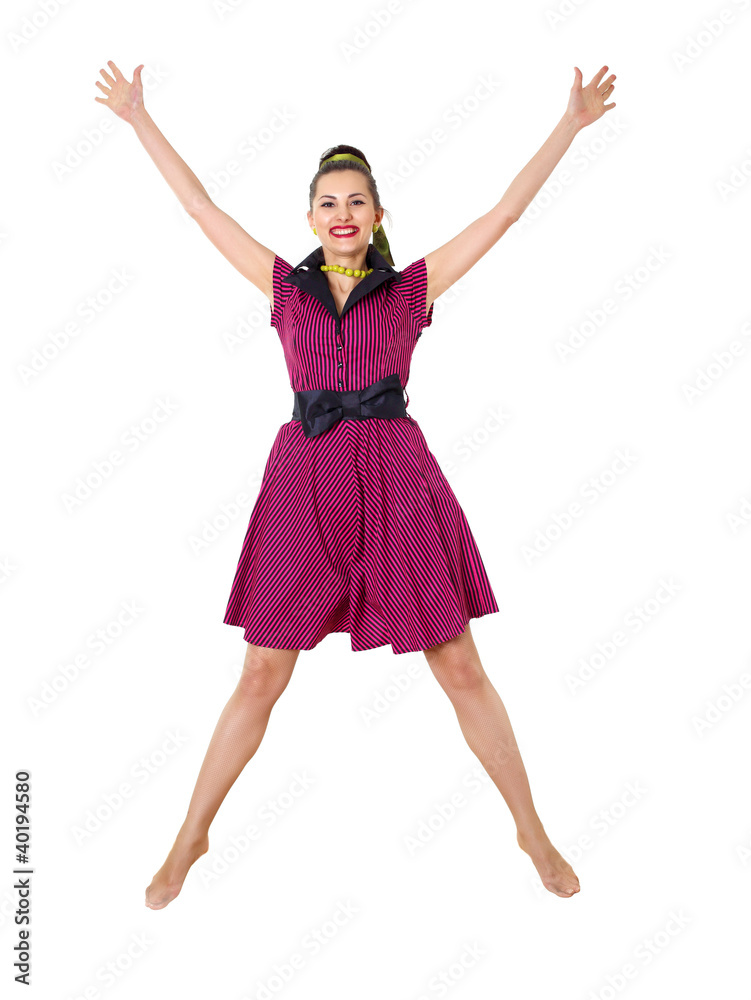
x=339 y=365
x=340 y=382
x=339 y=347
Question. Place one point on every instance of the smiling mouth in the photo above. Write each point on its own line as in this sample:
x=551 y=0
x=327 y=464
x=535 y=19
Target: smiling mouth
x=343 y=233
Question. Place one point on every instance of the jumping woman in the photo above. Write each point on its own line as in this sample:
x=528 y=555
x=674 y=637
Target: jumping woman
x=355 y=528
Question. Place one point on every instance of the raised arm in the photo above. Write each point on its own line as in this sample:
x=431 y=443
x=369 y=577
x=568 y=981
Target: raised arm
x=252 y=259
x=452 y=260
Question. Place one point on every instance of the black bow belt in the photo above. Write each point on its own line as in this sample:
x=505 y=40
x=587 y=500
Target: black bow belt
x=320 y=409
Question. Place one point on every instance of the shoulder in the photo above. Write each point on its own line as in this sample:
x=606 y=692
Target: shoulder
x=282 y=267
x=413 y=270
x=412 y=277
x=281 y=289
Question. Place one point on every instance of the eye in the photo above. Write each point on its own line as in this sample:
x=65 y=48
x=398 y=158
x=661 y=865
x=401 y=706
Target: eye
x=355 y=201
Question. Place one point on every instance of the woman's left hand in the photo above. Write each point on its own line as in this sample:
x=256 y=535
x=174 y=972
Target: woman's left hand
x=587 y=104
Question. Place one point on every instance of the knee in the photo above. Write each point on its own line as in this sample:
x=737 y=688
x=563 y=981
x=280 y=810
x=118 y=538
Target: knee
x=261 y=679
x=457 y=673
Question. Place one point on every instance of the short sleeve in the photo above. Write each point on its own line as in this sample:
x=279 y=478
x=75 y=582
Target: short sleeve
x=414 y=287
x=281 y=289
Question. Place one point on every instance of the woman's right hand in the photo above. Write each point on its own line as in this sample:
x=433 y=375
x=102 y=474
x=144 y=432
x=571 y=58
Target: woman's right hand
x=120 y=96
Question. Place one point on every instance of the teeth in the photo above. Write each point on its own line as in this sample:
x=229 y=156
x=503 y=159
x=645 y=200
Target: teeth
x=343 y=230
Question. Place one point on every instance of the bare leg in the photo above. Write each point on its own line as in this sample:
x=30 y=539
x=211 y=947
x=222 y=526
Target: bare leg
x=237 y=736
x=487 y=730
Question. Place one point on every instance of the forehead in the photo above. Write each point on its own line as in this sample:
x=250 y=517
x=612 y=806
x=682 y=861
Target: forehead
x=342 y=183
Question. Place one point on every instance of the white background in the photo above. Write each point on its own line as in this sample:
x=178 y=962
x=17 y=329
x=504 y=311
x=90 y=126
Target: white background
x=652 y=198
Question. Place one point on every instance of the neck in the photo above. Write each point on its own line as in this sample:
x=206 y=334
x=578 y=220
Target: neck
x=355 y=261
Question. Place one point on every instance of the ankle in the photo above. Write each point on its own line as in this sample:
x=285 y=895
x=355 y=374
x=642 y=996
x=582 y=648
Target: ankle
x=531 y=832
x=192 y=832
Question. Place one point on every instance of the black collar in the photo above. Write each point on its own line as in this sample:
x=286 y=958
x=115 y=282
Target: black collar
x=310 y=278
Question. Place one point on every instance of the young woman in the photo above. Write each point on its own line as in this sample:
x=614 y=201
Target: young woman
x=355 y=528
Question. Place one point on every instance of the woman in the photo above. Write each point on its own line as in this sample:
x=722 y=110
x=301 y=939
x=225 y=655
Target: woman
x=355 y=528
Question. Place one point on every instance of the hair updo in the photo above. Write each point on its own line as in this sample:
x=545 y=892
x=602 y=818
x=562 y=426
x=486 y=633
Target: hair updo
x=328 y=168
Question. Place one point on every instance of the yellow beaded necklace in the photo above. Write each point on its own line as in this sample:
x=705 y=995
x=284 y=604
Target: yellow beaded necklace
x=350 y=272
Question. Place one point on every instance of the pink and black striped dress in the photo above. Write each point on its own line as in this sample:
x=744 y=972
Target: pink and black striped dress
x=357 y=529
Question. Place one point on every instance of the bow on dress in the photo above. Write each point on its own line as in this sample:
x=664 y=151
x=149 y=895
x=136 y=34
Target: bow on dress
x=320 y=409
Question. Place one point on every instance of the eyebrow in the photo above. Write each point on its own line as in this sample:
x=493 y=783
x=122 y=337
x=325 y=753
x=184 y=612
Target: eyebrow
x=334 y=196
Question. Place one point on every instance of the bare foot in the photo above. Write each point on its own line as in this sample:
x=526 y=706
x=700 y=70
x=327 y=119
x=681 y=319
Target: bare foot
x=168 y=881
x=556 y=873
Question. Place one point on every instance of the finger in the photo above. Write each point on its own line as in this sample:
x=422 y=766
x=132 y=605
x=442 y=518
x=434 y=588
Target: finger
x=107 y=77
x=598 y=76
x=607 y=82
x=101 y=86
x=115 y=70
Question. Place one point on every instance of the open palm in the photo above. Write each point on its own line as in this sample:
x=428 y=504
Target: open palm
x=120 y=96
x=587 y=104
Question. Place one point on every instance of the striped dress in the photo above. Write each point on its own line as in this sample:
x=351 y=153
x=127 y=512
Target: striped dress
x=357 y=529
